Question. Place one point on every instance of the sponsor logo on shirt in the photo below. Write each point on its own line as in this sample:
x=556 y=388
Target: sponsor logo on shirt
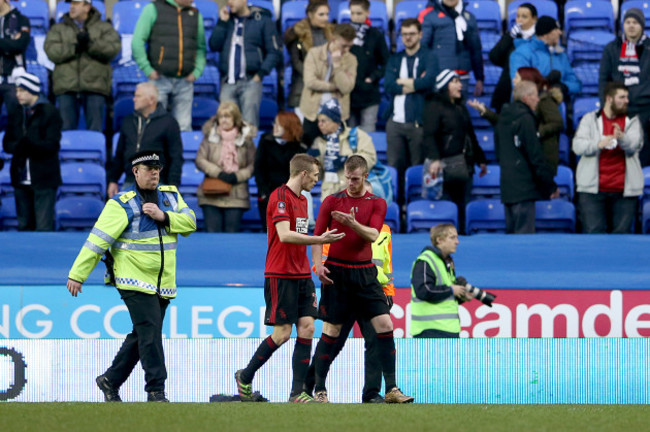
x=302 y=225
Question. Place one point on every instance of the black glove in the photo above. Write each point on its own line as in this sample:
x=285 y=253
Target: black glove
x=83 y=40
x=553 y=77
x=228 y=177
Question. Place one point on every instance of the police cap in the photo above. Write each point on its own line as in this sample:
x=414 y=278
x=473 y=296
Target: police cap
x=148 y=158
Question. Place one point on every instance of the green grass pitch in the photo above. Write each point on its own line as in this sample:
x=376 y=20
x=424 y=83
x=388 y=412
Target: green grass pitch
x=272 y=417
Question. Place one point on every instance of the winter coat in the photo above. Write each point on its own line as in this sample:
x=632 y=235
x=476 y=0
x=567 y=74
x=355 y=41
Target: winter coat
x=585 y=145
x=371 y=62
x=340 y=85
x=272 y=162
x=262 y=49
x=298 y=40
x=161 y=134
x=207 y=159
x=439 y=35
x=525 y=174
x=37 y=139
x=90 y=70
x=535 y=53
x=12 y=48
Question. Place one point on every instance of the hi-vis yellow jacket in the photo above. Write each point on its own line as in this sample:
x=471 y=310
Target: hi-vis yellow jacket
x=144 y=253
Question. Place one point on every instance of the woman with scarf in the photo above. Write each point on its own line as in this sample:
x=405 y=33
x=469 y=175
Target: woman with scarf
x=227 y=152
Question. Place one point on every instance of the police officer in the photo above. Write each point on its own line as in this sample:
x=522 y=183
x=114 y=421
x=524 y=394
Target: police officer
x=140 y=227
x=435 y=289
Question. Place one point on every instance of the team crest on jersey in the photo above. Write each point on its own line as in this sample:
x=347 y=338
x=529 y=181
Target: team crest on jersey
x=302 y=225
x=282 y=207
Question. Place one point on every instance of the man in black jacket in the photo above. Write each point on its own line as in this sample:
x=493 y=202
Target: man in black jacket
x=525 y=175
x=14 y=40
x=150 y=127
x=33 y=137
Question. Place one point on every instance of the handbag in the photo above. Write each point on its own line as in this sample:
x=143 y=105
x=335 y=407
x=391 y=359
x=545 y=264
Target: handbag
x=215 y=186
x=455 y=168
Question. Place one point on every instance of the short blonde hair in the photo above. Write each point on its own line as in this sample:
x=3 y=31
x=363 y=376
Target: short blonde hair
x=440 y=231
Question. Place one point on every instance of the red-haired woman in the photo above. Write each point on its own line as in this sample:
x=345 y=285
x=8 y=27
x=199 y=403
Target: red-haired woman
x=274 y=151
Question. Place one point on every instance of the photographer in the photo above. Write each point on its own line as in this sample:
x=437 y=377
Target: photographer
x=436 y=292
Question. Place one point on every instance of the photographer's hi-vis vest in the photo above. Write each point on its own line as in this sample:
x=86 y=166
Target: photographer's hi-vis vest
x=435 y=316
x=173 y=40
x=144 y=253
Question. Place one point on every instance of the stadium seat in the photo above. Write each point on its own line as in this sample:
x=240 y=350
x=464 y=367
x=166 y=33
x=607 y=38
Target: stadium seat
x=42 y=73
x=646 y=218
x=191 y=178
x=250 y=221
x=252 y=187
x=588 y=46
x=582 y=106
x=378 y=14
x=488 y=41
x=555 y=216
x=486 y=141
x=492 y=75
x=487 y=187
x=413 y=183
x=587 y=73
x=477 y=121
x=202 y=109
x=379 y=140
x=393 y=177
x=121 y=108
x=38 y=12
x=646 y=184
x=207 y=85
x=77 y=213
x=114 y=141
x=485 y=216
x=270 y=85
x=268 y=111
x=8 y=219
x=210 y=11
x=266 y=4
x=125 y=80
x=644 y=5
x=63 y=8
x=126 y=14
x=193 y=203
x=565 y=149
x=422 y=215
x=384 y=105
x=488 y=15
x=191 y=143
x=407 y=9
x=83 y=178
x=5 y=181
x=564 y=181
x=544 y=7
x=83 y=146
x=392 y=217
x=292 y=12
x=586 y=14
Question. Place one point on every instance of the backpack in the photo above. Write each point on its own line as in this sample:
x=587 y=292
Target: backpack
x=379 y=176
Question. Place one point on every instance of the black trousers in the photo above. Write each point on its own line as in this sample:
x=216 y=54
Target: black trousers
x=144 y=343
x=35 y=208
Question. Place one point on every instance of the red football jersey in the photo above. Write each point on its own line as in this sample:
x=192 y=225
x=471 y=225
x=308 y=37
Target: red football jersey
x=370 y=210
x=286 y=260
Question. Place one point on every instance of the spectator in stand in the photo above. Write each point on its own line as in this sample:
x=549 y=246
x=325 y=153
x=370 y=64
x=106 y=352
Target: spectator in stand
x=247 y=41
x=227 y=152
x=173 y=33
x=313 y=31
x=410 y=76
x=450 y=142
x=14 y=40
x=627 y=59
x=525 y=175
x=549 y=117
x=372 y=54
x=81 y=47
x=330 y=73
x=33 y=137
x=609 y=177
x=336 y=143
x=451 y=33
x=274 y=152
x=545 y=53
x=522 y=30
x=150 y=127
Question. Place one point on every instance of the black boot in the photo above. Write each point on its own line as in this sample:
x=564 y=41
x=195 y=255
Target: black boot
x=110 y=393
x=156 y=396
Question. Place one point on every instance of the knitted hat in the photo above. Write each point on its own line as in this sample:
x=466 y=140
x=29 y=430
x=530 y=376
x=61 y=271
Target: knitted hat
x=443 y=78
x=637 y=14
x=545 y=25
x=29 y=82
x=331 y=109
x=146 y=157
x=85 y=1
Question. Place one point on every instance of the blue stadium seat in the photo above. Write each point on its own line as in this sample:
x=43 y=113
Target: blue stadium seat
x=83 y=146
x=588 y=46
x=8 y=219
x=392 y=217
x=125 y=80
x=191 y=178
x=477 y=121
x=83 y=178
x=582 y=106
x=407 y=9
x=77 y=213
x=485 y=216
x=644 y=5
x=207 y=85
x=488 y=41
x=555 y=216
x=116 y=138
x=252 y=187
x=586 y=14
x=270 y=85
x=384 y=105
x=268 y=111
x=487 y=187
x=486 y=141
x=492 y=75
x=41 y=72
x=378 y=14
x=587 y=73
x=292 y=12
x=393 y=177
x=250 y=221
x=5 y=181
x=544 y=7
x=126 y=14
x=646 y=218
x=191 y=143
x=121 y=108
x=38 y=12
x=210 y=11
x=413 y=183
x=266 y=4
x=193 y=203
x=63 y=8
x=202 y=109
x=565 y=149
x=564 y=181
x=646 y=183
x=379 y=140
x=488 y=15
x=422 y=215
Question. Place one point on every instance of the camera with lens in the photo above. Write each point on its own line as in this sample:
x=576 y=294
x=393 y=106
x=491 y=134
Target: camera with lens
x=485 y=297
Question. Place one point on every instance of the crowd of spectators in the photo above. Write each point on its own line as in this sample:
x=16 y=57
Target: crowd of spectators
x=344 y=83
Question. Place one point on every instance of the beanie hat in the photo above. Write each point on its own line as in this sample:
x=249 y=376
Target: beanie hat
x=29 y=82
x=545 y=25
x=444 y=77
x=637 y=14
x=331 y=109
